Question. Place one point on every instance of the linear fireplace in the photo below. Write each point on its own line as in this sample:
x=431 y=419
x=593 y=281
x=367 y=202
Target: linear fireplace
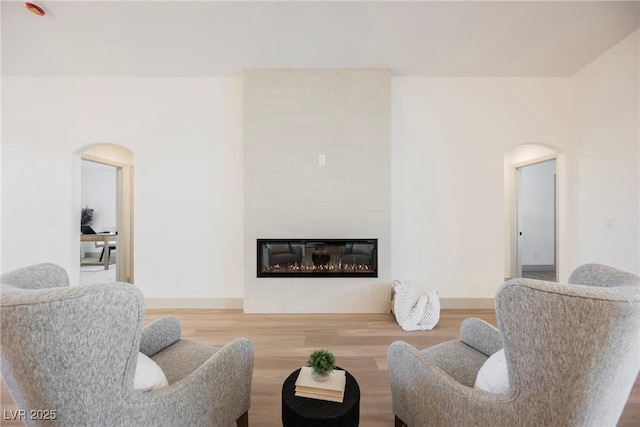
x=317 y=258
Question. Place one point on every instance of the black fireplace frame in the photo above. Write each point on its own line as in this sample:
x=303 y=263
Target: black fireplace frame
x=316 y=271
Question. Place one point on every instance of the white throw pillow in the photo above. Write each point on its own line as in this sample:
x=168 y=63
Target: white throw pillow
x=493 y=375
x=149 y=375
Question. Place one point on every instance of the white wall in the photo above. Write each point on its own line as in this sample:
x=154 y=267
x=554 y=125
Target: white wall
x=449 y=138
x=186 y=137
x=606 y=144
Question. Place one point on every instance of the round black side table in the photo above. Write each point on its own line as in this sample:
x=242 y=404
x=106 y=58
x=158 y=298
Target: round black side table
x=306 y=412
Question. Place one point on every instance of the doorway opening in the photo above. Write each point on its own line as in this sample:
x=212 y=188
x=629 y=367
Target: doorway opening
x=536 y=221
x=535 y=235
x=98 y=223
x=106 y=192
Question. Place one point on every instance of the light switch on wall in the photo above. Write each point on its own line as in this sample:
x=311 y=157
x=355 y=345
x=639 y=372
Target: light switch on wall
x=611 y=223
x=322 y=160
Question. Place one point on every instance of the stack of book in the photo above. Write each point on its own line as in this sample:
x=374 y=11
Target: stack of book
x=331 y=390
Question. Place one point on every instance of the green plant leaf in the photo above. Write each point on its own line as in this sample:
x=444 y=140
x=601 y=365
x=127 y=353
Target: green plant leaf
x=321 y=361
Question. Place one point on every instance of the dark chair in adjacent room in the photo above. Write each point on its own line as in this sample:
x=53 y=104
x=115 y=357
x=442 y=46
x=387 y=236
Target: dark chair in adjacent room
x=105 y=248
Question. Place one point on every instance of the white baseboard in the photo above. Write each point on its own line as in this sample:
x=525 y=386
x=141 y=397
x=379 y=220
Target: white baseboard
x=467 y=303
x=222 y=303
x=237 y=303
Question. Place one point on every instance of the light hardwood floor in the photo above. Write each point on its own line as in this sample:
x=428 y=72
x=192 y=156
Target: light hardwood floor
x=359 y=341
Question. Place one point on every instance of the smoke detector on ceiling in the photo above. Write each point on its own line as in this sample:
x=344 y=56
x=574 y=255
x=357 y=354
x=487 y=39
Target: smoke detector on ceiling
x=34 y=8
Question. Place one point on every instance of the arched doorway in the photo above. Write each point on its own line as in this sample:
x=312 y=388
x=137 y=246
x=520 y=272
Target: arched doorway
x=121 y=160
x=521 y=164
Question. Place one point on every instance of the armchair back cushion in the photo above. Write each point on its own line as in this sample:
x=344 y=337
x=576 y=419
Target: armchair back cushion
x=75 y=350
x=572 y=350
x=572 y=353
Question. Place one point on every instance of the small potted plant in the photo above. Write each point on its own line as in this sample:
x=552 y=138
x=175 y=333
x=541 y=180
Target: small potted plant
x=322 y=363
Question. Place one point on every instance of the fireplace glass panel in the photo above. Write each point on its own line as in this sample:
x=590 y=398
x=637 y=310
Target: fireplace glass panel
x=317 y=258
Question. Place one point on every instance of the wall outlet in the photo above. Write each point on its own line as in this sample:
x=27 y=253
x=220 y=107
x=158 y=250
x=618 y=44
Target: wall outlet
x=536 y=254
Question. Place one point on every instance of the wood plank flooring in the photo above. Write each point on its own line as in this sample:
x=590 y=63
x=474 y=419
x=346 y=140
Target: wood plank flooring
x=283 y=342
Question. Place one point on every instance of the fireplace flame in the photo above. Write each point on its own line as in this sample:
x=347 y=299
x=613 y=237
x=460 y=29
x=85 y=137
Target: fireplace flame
x=313 y=268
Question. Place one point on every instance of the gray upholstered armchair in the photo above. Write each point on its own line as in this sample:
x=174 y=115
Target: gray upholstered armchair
x=572 y=355
x=74 y=350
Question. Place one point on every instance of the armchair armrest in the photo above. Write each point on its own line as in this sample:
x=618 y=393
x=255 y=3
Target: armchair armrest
x=159 y=335
x=220 y=389
x=422 y=394
x=481 y=335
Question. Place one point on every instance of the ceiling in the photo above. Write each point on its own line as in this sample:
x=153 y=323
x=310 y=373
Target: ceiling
x=213 y=38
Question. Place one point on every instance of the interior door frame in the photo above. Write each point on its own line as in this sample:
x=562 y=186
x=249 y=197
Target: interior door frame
x=124 y=216
x=516 y=268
